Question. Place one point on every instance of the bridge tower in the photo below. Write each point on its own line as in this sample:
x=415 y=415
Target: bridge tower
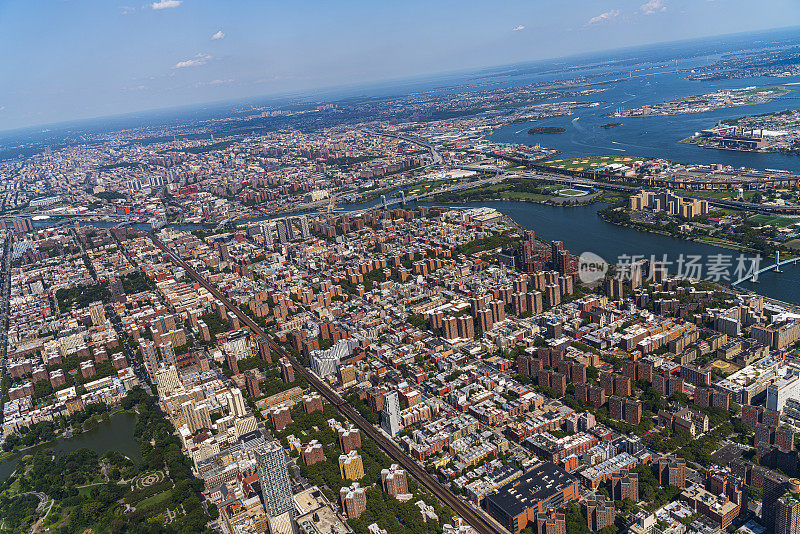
x=777 y=261
x=403 y=197
x=383 y=201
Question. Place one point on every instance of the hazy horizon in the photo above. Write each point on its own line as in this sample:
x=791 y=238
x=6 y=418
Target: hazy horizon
x=75 y=61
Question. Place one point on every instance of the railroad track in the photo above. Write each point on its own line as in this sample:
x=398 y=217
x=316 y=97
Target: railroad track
x=476 y=520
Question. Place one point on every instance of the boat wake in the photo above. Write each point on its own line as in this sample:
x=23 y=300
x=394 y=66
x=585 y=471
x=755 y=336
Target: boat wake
x=628 y=144
x=578 y=127
x=587 y=145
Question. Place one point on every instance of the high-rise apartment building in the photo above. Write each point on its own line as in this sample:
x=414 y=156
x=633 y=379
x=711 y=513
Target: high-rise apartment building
x=167 y=380
x=551 y=522
x=351 y=467
x=305 y=231
x=168 y=353
x=236 y=403
x=624 y=485
x=390 y=415
x=354 y=500
x=394 y=480
x=349 y=439
x=195 y=416
x=273 y=475
x=267 y=233
x=775 y=487
x=599 y=512
x=283 y=235
x=787 y=515
x=150 y=358
x=97 y=313
x=672 y=471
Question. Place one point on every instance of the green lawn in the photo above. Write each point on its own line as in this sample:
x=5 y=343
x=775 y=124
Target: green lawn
x=153 y=500
x=774 y=220
x=722 y=242
x=521 y=195
x=508 y=189
x=425 y=187
x=571 y=193
x=590 y=162
x=778 y=89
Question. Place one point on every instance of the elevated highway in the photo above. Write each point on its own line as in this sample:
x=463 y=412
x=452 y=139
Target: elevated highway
x=590 y=178
x=437 y=158
x=552 y=176
x=413 y=198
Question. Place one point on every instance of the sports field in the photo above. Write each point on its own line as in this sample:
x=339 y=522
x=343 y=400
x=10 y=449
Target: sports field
x=571 y=193
x=773 y=220
x=592 y=162
x=722 y=367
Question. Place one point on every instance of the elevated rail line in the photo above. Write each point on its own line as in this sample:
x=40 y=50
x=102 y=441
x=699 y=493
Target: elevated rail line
x=477 y=520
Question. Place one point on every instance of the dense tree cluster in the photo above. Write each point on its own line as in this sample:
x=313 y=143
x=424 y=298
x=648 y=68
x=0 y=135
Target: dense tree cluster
x=135 y=283
x=394 y=516
x=397 y=517
x=85 y=498
x=81 y=296
x=651 y=491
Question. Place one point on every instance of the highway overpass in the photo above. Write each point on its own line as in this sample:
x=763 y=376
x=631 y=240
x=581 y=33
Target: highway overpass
x=437 y=158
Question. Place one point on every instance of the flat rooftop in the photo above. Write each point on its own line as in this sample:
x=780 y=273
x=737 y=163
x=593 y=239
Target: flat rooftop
x=538 y=484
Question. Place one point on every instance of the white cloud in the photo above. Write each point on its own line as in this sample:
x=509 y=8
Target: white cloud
x=217 y=36
x=196 y=61
x=126 y=10
x=603 y=17
x=653 y=6
x=214 y=82
x=164 y=4
x=518 y=28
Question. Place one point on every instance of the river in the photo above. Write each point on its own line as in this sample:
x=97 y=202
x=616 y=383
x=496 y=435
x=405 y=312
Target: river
x=583 y=230
x=655 y=136
x=190 y=227
x=116 y=435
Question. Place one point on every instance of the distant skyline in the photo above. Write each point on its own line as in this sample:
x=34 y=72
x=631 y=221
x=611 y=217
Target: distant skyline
x=75 y=59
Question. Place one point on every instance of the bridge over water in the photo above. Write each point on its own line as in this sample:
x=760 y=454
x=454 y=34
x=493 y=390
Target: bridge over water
x=776 y=267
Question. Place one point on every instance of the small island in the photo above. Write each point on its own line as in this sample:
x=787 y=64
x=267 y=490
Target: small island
x=721 y=99
x=611 y=125
x=546 y=130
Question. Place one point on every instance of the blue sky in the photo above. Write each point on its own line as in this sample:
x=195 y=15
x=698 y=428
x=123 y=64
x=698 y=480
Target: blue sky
x=72 y=59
